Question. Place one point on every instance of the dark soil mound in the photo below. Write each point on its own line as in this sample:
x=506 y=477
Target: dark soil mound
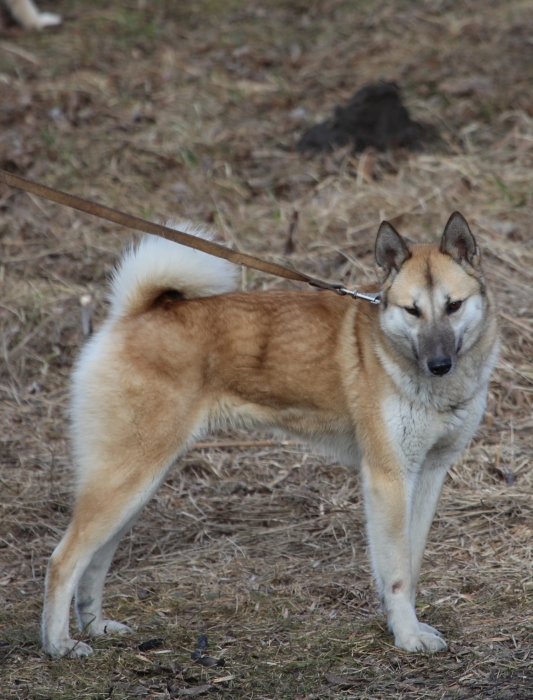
x=375 y=116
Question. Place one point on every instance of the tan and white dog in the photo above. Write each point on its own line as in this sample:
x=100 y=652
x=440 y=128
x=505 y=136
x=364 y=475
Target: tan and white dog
x=396 y=390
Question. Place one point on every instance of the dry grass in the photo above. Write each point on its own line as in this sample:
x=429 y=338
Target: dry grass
x=192 y=110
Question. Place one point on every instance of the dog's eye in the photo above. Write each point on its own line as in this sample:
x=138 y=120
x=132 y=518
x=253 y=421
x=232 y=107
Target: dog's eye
x=454 y=306
x=412 y=310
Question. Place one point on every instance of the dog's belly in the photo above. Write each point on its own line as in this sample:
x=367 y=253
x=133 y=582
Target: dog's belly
x=332 y=433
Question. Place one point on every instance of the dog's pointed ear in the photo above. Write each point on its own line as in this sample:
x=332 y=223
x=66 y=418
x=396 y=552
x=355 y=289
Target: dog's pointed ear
x=458 y=242
x=391 y=250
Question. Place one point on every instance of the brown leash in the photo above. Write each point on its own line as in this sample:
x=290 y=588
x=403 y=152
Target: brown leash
x=186 y=239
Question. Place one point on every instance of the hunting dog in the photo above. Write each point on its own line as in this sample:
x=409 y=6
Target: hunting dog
x=396 y=390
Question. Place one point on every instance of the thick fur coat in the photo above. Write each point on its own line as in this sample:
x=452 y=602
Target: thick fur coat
x=395 y=391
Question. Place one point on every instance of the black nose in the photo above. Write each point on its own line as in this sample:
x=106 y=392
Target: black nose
x=440 y=366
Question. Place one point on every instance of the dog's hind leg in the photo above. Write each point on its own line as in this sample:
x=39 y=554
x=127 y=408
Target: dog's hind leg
x=105 y=509
x=90 y=590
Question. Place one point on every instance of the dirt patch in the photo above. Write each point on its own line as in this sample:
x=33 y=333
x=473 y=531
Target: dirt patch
x=375 y=117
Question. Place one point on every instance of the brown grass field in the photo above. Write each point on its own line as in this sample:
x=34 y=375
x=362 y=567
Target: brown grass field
x=192 y=110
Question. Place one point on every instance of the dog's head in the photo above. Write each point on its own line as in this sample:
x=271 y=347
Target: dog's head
x=432 y=296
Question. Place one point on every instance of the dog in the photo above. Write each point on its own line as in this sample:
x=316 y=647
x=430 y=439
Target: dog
x=28 y=16
x=396 y=390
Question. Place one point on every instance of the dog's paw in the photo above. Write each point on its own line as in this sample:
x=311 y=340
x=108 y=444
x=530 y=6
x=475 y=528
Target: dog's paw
x=96 y=629
x=48 y=19
x=428 y=629
x=424 y=640
x=69 y=648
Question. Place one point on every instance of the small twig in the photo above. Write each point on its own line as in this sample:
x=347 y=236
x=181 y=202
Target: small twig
x=517 y=322
x=290 y=243
x=86 y=315
x=18 y=51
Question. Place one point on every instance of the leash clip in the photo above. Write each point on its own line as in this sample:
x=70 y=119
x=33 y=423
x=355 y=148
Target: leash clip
x=373 y=298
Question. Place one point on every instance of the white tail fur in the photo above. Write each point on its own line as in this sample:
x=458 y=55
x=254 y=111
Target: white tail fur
x=156 y=265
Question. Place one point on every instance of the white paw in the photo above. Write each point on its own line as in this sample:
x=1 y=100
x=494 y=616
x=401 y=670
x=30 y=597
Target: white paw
x=107 y=627
x=69 y=648
x=422 y=641
x=48 y=19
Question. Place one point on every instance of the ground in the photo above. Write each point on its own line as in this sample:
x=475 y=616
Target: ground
x=192 y=110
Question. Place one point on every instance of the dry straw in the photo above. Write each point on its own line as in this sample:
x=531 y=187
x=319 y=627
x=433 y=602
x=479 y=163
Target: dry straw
x=192 y=110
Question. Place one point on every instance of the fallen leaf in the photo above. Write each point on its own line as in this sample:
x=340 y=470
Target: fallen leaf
x=198 y=690
x=151 y=644
x=209 y=661
x=337 y=680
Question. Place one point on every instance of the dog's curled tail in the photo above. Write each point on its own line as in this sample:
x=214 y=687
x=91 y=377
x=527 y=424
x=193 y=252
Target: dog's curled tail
x=156 y=265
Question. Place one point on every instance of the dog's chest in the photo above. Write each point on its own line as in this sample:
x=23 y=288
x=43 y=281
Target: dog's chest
x=415 y=429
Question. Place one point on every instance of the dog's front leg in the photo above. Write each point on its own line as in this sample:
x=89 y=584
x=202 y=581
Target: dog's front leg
x=388 y=511
x=425 y=496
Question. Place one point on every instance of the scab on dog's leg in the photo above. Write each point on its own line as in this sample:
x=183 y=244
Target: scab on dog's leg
x=388 y=514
